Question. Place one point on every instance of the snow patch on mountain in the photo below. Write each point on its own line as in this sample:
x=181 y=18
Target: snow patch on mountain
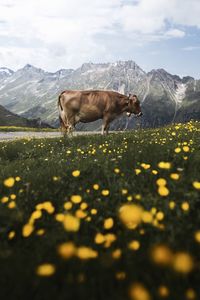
x=180 y=92
x=6 y=71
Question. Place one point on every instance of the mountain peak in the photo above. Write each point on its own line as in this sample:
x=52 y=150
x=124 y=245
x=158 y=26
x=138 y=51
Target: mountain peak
x=29 y=67
x=164 y=74
x=6 y=71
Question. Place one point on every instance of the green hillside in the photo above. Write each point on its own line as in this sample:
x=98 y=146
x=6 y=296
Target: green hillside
x=7 y=118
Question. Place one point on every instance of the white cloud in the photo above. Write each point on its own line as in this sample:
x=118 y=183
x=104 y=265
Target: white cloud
x=65 y=33
x=191 y=48
x=176 y=33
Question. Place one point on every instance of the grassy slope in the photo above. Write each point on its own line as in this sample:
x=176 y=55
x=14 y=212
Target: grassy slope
x=11 y=120
x=8 y=118
x=37 y=161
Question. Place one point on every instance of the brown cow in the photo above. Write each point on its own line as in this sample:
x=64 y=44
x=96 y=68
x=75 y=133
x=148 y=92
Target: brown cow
x=89 y=106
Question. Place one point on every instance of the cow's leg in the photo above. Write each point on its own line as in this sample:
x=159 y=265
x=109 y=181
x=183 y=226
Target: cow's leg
x=72 y=121
x=105 y=125
x=63 y=126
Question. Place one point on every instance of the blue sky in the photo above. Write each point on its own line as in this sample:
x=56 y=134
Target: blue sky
x=65 y=34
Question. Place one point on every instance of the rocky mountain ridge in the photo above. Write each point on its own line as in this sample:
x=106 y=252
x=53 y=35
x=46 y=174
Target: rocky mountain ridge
x=32 y=92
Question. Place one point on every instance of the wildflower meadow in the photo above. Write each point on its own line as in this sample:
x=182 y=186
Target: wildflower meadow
x=102 y=217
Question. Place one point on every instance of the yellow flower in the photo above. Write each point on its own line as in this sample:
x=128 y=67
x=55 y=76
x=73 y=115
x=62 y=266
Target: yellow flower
x=45 y=270
x=76 y=173
x=47 y=205
x=124 y=191
x=27 y=230
x=39 y=206
x=196 y=185
x=160 y=216
x=17 y=178
x=9 y=182
x=197 y=236
x=109 y=239
x=137 y=171
x=80 y=214
x=11 y=235
x=93 y=211
x=76 y=198
x=117 y=171
x=145 y=166
x=186 y=149
x=129 y=198
x=134 y=245
x=99 y=238
x=36 y=215
x=60 y=217
x=67 y=250
x=105 y=192
x=177 y=150
x=183 y=262
x=138 y=197
x=138 y=292
x=40 y=231
x=83 y=206
x=130 y=215
x=147 y=217
x=163 y=291
x=153 y=210
x=163 y=191
x=116 y=254
x=71 y=223
x=174 y=176
x=164 y=165
x=190 y=294
x=155 y=172
x=13 y=196
x=67 y=205
x=185 y=206
x=108 y=223
x=120 y=275
x=172 y=204
x=95 y=187
x=12 y=205
x=85 y=253
x=161 y=182
x=4 y=199
x=161 y=255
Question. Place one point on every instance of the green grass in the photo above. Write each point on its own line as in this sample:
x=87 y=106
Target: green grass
x=45 y=168
x=18 y=128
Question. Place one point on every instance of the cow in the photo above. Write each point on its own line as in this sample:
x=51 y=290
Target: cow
x=88 y=106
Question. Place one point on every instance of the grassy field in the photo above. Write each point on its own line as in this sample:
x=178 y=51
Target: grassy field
x=92 y=217
x=18 y=128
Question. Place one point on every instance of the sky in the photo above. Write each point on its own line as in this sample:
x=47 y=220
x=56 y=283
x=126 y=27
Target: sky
x=66 y=33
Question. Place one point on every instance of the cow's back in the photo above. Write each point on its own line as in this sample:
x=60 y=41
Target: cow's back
x=91 y=105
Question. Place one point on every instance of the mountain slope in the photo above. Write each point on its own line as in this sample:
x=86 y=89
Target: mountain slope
x=32 y=92
x=7 y=118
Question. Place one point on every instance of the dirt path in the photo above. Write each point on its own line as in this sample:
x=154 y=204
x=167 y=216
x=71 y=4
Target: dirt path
x=11 y=136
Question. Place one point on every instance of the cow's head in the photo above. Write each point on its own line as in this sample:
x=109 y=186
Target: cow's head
x=133 y=106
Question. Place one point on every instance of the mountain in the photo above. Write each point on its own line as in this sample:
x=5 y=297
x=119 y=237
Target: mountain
x=32 y=92
x=7 y=118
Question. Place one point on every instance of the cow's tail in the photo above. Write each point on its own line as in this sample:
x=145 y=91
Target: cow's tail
x=61 y=112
